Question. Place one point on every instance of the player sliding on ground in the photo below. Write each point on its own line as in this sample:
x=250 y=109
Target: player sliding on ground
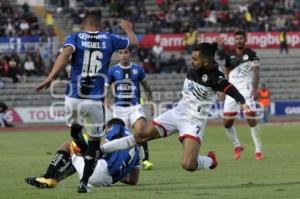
x=203 y=81
x=118 y=166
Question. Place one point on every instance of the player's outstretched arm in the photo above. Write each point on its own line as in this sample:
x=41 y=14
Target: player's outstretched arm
x=60 y=62
x=128 y=28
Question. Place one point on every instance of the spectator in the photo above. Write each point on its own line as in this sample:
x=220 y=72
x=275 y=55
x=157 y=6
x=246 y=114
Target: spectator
x=157 y=49
x=283 y=42
x=3 y=122
x=38 y=63
x=182 y=65
x=190 y=40
x=172 y=65
x=29 y=66
x=25 y=8
x=264 y=100
x=113 y=9
x=49 y=19
x=14 y=71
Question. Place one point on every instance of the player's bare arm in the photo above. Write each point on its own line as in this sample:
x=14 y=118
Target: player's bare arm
x=255 y=81
x=132 y=178
x=147 y=89
x=59 y=64
x=106 y=99
x=226 y=72
x=128 y=28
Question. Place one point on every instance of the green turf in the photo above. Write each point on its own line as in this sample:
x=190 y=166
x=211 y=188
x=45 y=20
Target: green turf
x=277 y=176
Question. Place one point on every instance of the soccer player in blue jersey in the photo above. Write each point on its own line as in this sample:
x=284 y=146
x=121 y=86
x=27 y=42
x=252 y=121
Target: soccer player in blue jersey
x=90 y=52
x=120 y=166
x=126 y=77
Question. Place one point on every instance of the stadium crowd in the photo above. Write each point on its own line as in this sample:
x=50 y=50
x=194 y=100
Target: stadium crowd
x=177 y=16
x=21 y=22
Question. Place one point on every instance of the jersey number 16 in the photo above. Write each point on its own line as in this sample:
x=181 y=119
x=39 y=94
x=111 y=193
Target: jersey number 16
x=91 y=63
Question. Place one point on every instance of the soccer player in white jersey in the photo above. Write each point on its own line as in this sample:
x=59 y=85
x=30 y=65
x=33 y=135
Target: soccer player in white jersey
x=203 y=81
x=126 y=78
x=90 y=52
x=242 y=70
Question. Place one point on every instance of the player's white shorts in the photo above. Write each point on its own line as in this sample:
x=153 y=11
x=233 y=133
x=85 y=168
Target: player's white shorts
x=86 y=112
x=129 y=114
x=232 y=108
x=101 y=176
x=175 y=119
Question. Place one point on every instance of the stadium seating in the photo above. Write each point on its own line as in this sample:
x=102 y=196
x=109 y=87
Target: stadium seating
x=279 y=72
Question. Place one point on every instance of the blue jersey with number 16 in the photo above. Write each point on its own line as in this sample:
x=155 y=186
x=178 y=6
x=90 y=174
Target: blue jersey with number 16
x=90 y=62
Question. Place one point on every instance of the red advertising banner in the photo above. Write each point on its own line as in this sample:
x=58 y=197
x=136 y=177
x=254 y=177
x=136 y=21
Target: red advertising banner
x=173 y=42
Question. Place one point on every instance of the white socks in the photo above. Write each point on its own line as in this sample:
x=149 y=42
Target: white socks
x=255 y=133
x=118 y=144
x=204 y=162
x=231 y=133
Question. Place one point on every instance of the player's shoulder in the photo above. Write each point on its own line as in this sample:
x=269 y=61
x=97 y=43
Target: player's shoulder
x=216 y=71
x=136 y=66
x=114 y=67
x=250 y=51
x=72 y=35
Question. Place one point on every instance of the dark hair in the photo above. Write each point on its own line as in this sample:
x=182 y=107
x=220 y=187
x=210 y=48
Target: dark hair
x=93 y=18
x=207 y=50
x=240 y=32
x=115 y=121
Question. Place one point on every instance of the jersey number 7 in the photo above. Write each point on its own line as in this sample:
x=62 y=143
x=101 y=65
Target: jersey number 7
x=91 y=63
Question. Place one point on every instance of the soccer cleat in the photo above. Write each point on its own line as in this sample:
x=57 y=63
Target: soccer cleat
x=147 y=165
x=259 y=156
x=212 y=155
x=41 y=182
x=82 y=188
x=237 y=152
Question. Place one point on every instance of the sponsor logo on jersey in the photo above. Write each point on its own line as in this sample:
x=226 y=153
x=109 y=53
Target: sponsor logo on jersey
x=85 y=36
x=190 y=86
x=245 y=57
x=204 y=78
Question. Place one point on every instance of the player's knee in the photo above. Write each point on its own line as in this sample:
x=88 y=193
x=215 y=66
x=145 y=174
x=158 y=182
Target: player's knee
x=66 y=147
x=228 y=123
x=252 y=123
x=189 y=165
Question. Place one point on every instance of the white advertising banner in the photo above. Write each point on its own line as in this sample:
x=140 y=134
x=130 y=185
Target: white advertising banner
x=36 y=115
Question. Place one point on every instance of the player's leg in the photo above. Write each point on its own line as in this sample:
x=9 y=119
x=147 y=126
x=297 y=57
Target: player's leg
x=73 y=122
x=101 y=175
x=93 y=117
x=230 y=112
x=138 y=121
x=191 y=133
x=122 y=113
x=59 y=168
x=128 y=142
x=191 y=161
x=159 y=127
x=255 y=134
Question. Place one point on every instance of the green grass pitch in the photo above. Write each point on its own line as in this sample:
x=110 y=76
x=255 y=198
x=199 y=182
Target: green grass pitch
x=277 y=176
